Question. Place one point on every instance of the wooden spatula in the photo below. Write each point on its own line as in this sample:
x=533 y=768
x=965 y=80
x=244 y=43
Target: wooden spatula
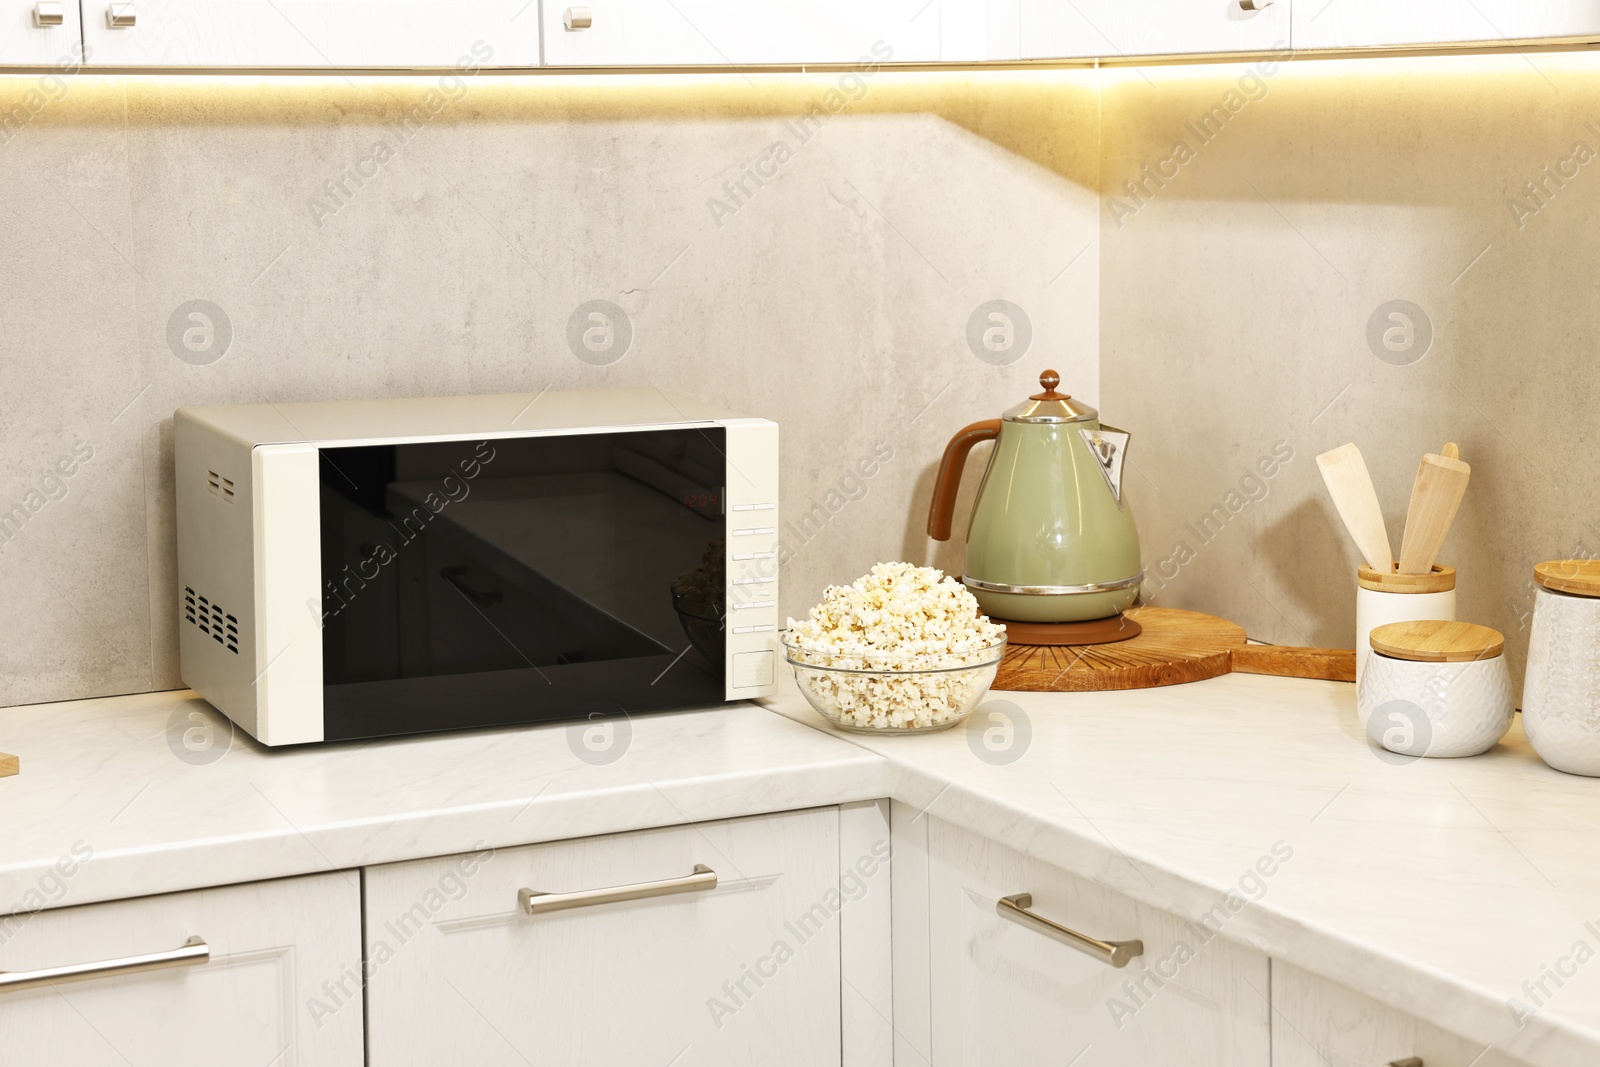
x=1441 y=482
x=1357 y=502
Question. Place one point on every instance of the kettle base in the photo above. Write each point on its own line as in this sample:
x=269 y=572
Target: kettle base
x=1092 y=632
x=1054 y=607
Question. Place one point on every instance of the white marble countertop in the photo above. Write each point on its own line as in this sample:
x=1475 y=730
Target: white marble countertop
x=1439 y=886
x=107 y=773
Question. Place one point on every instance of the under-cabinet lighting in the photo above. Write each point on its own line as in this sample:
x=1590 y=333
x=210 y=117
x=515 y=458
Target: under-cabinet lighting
x=1533 y=63
x=564 y=96
x=705 y=89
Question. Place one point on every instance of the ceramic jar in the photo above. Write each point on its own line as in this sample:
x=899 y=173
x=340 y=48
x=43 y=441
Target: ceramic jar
x=1385 y=598
x=1561 y=693
x=1435 y=688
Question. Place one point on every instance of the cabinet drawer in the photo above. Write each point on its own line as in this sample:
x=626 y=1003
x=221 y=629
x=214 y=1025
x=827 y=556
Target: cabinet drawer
x=1004 y=994
x=1378 y=24
x=282 y=983
x=745 y=972
x=1323 y=1024
x=739 y=32
x=1052 y=29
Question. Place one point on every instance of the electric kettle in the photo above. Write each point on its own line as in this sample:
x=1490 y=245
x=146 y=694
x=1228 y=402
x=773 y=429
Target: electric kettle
x=1051 y=539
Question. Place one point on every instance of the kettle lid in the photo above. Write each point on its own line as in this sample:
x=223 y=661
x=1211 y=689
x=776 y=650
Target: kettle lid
x=1050 y=406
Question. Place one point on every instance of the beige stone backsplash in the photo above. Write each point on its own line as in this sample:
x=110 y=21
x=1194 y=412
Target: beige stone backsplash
x=834 y=299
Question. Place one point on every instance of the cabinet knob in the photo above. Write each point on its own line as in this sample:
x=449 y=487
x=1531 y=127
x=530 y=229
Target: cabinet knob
x=1256 y=5
x=48 y=13
x=120 y=15
x=577 y=18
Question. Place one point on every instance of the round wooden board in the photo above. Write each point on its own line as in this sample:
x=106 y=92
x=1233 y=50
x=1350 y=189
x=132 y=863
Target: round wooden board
x=1175 y=646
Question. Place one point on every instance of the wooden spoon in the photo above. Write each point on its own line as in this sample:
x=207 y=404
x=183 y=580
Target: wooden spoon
x=1435 y=497
x=1357 y=502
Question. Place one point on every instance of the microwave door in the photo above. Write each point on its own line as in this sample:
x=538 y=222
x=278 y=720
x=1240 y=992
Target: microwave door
x=537 y=592
x=536 y=568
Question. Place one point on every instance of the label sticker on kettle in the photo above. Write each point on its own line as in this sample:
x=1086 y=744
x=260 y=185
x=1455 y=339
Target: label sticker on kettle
x=1108 y=447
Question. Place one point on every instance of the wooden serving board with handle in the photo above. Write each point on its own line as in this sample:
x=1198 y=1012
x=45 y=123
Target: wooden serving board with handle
x=1174 y=646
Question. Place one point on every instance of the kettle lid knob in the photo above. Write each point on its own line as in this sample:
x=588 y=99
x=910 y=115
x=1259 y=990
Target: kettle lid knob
x=1050 y=379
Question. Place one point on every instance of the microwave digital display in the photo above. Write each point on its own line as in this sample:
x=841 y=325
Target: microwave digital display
x=521 y=579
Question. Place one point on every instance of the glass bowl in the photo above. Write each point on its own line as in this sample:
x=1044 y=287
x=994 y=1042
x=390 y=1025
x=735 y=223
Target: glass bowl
x=878 y=693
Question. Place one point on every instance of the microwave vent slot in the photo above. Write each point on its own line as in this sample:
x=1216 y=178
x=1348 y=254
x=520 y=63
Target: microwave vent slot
x=219 y=486
x=211 y=620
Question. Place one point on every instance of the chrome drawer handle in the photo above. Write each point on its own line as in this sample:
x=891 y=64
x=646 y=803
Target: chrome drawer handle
x=194 y=951
x=1409 y=1061
x=1255 y=5
x=120 y=15
x=1116 y=953
x=48 y=13
x=536 y=903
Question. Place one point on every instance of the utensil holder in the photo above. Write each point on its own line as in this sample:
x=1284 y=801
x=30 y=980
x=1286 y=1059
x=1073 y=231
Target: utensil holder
x=1385 y=598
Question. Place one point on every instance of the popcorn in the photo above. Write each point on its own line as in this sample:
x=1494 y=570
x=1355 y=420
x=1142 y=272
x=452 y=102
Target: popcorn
x=705 y=584
x=900 y=617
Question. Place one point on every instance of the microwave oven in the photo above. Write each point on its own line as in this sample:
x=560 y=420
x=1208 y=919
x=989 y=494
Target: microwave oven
x=364 y=569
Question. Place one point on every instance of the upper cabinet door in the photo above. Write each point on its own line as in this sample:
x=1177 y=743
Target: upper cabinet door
x=41 y=33
x=317 y=34
x=1108 y=29
x=660 y=33
x=1382 y=24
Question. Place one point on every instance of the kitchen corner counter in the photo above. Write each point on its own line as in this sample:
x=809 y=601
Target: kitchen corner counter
x=106 y=775
x=1437 y=886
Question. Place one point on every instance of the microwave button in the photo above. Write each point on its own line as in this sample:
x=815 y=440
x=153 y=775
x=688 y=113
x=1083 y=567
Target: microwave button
x=755 y=604
x=751 y=669
x=768 y=628
x=752 y=581
x=752 y=507
x=737 y=556
x=755 y=530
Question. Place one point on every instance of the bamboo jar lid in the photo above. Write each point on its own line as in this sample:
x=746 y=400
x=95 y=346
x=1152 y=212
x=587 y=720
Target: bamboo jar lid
x=1437 y=641
x=1442 y=580
x=1580 y=577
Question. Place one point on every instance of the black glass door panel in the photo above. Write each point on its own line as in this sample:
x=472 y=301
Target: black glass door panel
x=532 y=579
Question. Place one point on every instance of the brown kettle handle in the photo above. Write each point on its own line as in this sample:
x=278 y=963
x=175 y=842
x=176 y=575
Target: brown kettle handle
x=942 y=510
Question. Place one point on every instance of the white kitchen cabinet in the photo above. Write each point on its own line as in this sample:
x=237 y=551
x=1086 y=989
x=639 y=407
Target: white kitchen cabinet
x=40 y=33
x=1323 y=1024
x=280 y=981
x=1108 y=29
x=1380 y=24
x=972 y=31
x=1004 y=994
x=324 y=35
x=723 y=33
x=745 y=972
